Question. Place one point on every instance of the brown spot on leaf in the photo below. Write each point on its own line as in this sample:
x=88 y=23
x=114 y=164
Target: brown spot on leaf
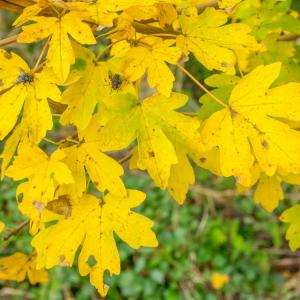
x=151 y=154
x=7 y=55
x=233 y=113
x=38 y=205
x=265 y=144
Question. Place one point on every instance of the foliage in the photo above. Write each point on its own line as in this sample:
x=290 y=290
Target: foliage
x=71 y=191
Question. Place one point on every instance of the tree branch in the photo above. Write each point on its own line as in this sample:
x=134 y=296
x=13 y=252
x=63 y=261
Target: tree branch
x=14 y=6
x=10 y=40
x=15 y=231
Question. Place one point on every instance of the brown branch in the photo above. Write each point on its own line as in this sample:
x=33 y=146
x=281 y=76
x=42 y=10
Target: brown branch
x=15 y=5
x=15 y=231
x=220 y=196
x=213 y=3
x=125 y=159
x=10 y=40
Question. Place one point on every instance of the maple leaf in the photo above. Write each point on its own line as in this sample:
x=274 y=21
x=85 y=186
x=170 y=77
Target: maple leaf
x=213 y=43
x=268 y=192
x=96 y=11
x=252 y=126
x=153 y=58
x=181 y=176
x=92 y=225
x=20 y=87
x=95 y=86
x=104 y=171
x=44 y=174
x=291 y=216
x=10 y=148
x=17 y=266
x=156 y=127
x=60 y=55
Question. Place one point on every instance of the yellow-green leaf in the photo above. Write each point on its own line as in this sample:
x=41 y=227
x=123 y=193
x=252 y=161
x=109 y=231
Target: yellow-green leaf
x=92 y=225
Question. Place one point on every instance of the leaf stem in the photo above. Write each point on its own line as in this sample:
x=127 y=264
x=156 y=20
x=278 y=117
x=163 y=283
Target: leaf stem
x=50 y=141
x=170 y=35
x=107 y=48
x=41 y=56
x=72 y=141
x=201 y=85
x=106 y=33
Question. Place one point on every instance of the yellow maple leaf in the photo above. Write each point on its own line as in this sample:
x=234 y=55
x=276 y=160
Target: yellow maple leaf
x=60 y=55
x=20 y=87
x=291 y=216
x=104 y=171
x=156 y=127
x=167 y=14
x=99 y=81
x=268 y=192
x=213 y=42
x=181 y=176
x=96 y=11
x=152 y=58
x=251 y=128
x=17 y=266
x=92 y=224
x=10 y=148
x=44 y=174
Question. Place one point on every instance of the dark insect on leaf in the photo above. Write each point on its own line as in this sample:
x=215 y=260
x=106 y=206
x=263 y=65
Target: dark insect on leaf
x=116 y=81
x=24 y=78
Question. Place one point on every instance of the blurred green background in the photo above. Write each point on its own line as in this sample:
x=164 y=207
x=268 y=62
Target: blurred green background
x=216 y=231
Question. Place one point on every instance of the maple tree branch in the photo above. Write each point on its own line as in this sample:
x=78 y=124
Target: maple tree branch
x=125 y=159
x=12 y=6
x=15 y=231
x=201 y=7
x=10 y=40
x=218 y=195
x=201 y=85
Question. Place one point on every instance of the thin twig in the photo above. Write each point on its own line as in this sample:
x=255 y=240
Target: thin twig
x=125 y=159
x=16 y=230
x=201 y=85
x=41 y=56
x=217 y=195
x=106 y=34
